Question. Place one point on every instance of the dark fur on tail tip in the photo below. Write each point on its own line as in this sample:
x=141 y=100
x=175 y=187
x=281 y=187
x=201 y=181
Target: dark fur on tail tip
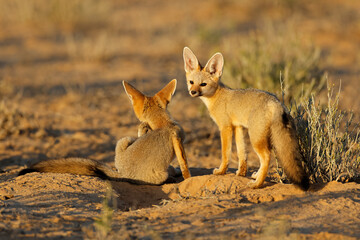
x=305 y=184
x=100 y=174
x=285 y=119
x=26 y=171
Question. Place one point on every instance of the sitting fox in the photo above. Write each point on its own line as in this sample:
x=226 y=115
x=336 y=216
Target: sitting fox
x=142 y=160
x=268 y=122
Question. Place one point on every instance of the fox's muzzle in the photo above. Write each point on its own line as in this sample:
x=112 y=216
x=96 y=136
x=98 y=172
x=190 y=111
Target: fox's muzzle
x=194 y=93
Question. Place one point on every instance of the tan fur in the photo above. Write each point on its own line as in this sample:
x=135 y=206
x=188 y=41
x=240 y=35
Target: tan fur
x=258 y=111
x=142 y=160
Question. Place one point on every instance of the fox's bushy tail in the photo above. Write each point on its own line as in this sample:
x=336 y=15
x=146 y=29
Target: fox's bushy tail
x=284 y=139
x=78 y=166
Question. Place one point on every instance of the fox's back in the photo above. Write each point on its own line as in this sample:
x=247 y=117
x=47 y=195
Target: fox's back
x=150 y=153
x=243 y=106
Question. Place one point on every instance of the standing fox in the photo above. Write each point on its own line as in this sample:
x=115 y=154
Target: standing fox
x=142 y=160
x=267 y=120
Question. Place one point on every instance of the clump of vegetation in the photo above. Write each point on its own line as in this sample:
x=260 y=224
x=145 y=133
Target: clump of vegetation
x=258 y=61
x=328 y=140
x=103 y=224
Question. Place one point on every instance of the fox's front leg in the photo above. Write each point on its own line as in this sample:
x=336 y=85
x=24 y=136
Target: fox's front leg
x=143 y=129
x=226 y=141
x=181 y=156
x=240 y=146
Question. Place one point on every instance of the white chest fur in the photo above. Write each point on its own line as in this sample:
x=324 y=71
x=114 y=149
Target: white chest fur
x=206 y=101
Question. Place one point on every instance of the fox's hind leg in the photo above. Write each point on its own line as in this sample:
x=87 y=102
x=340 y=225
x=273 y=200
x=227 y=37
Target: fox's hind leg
x=123 y=143
x=264 y=153
x=240 y=146
x=261 y=145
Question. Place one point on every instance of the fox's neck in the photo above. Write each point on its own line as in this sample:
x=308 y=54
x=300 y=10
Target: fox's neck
x=159 y=120
x=209 y=101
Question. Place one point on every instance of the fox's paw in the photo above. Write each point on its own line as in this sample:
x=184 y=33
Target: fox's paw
x=253 y=184
x=218 y=171
x=254 y=175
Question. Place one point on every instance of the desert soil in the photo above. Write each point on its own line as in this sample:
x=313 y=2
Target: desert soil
x=57 y=104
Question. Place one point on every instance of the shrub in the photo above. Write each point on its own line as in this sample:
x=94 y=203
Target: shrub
x=328 y=140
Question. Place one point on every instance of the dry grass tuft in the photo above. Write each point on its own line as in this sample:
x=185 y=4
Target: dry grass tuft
x=103 y=224
x=329 y=140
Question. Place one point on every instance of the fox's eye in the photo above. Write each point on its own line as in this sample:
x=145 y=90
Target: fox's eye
x=203 y=84
x=191 y=82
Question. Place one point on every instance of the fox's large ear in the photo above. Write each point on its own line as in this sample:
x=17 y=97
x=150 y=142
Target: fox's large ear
x=165 y=94
x=215 y=65
x=133 y=94
x=190 y=61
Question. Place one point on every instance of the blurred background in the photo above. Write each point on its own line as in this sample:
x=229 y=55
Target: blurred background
x=62 y=63
x=107 y=41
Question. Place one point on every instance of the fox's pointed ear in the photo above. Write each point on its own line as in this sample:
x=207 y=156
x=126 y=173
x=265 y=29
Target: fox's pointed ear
x=215 y=65
x=165 y=94
x=190 y=61
x=133 y=94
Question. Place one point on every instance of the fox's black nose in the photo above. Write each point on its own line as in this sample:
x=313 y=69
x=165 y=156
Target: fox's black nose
x=193 y=92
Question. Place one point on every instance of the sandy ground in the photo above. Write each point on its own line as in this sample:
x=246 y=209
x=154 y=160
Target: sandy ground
x=57 y=105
